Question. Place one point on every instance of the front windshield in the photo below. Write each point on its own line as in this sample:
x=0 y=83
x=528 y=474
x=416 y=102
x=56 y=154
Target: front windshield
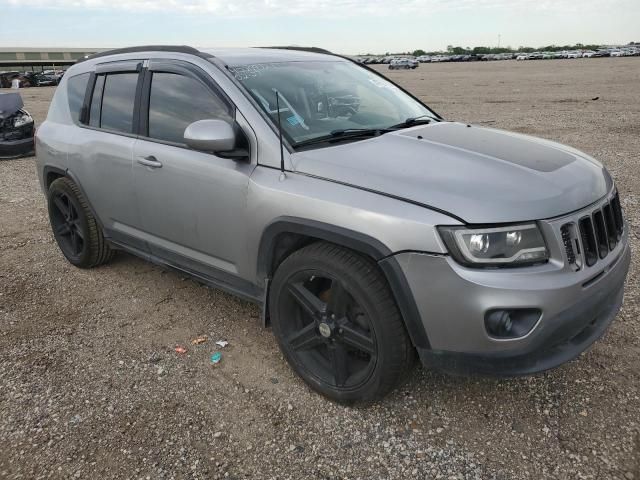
x=318 y=98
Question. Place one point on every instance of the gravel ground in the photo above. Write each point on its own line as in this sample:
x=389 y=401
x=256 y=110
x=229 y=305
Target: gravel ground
x=90 y=385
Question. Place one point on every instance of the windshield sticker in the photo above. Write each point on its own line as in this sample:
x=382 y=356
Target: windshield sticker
x=244 y=72
x=295 y=120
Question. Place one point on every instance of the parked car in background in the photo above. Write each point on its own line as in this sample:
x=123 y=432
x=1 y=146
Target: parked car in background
x=6 y=79
x=38 y=79
x=629 y=50
x=403 y=64
x=16 y=127
x=54 y=74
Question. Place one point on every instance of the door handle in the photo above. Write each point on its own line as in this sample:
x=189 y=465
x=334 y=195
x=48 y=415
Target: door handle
x=149 y=161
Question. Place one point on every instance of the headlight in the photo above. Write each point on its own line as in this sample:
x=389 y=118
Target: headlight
x=22 y=120
x=501 y=246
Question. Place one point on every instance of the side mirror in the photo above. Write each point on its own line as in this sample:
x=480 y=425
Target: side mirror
x=210 y=136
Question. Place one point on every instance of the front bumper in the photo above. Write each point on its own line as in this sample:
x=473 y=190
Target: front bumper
x=577 y=308
x=16 y=148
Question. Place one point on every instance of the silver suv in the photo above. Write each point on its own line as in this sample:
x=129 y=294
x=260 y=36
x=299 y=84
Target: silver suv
x=367 y=227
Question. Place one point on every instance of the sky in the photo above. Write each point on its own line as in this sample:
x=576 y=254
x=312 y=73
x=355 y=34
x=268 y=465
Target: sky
x=342 y=26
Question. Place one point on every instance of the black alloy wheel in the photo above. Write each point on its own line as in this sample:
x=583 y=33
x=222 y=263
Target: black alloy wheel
x=75 y=229
x=67 y=225
x=337 y=323
x=329 y=332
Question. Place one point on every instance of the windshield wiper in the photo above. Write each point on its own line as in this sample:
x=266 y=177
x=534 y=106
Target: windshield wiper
x=344 y=134
x=409 y=122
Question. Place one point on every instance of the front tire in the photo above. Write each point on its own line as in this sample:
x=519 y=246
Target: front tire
x=338 y=325
x=74 y=227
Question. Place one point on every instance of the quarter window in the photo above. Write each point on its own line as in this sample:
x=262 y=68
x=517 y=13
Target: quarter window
x=76 y=88
x=177 y=101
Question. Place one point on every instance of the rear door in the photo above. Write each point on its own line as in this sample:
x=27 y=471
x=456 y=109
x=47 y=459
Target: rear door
x=192 y=203
x=104 y=151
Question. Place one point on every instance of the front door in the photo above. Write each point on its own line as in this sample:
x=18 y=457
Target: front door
x=191 y=203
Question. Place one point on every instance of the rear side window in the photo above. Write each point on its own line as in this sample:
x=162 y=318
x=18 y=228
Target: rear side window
x=76 y=88
x=177 y=101
x=118 y=101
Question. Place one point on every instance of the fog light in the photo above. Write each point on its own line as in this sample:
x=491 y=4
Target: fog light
x=499 y=323
x=511 y=323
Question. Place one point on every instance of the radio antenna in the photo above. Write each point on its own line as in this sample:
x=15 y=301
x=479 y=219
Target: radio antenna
x=280 y=132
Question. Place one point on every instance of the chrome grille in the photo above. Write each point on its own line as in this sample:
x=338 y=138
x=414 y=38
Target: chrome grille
x=595 y=234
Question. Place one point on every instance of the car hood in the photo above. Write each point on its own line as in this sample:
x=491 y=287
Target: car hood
x=479 y=175
x=10 y=103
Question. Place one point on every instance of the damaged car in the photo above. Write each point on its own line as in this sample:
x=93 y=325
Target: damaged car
x=367 y=228
x=16 y=127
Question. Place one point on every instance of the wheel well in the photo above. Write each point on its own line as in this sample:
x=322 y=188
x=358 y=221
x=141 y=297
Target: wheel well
x=288 y=234
x=51 y=176
x=284 y=244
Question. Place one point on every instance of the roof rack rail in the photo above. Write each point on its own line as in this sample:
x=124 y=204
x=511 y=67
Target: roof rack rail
x=304 y=49
x=145 y=48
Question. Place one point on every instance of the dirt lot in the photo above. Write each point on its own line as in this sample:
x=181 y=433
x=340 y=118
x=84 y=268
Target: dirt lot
x=90 y=386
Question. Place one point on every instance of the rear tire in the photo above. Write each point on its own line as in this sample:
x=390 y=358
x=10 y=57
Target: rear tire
x=75 y=229
x=338 y=325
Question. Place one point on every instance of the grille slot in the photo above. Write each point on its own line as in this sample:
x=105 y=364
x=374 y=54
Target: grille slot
x=588 y=241
x=601 y=233
x=617 y=215
x=568 y=246
x=612 y=235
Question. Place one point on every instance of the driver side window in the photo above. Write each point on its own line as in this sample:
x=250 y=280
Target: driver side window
x=176 y=101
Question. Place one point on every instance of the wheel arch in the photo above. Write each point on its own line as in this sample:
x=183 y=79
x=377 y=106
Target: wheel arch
x=288 y=234
x=51 y=173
